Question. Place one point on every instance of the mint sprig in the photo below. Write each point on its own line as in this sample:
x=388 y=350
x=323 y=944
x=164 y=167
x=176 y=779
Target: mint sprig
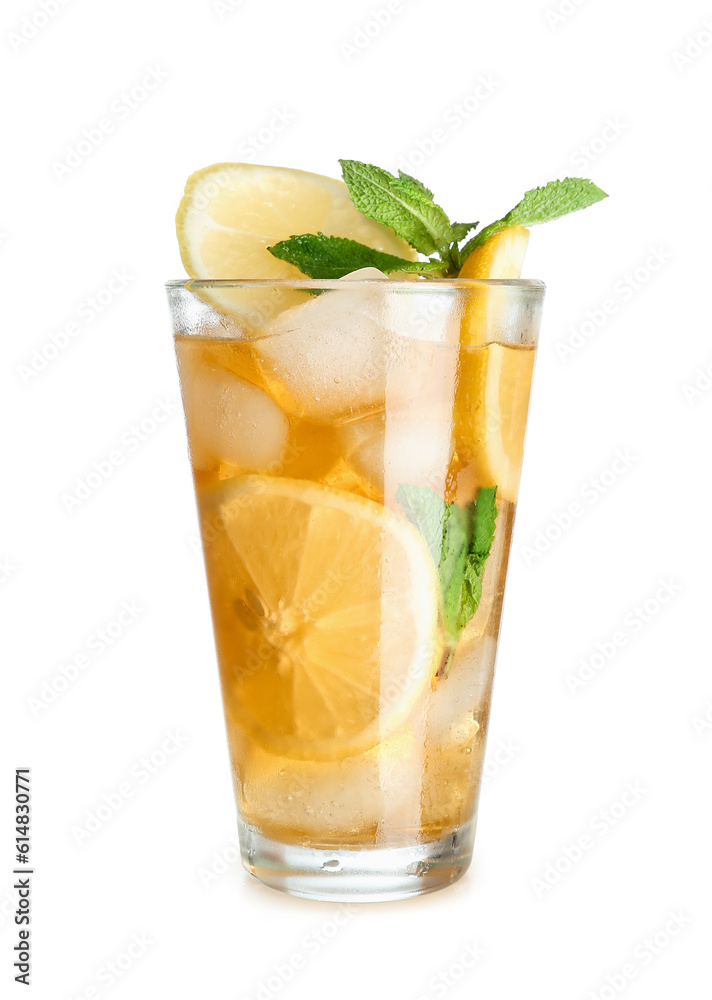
x=330 y=257
x=407 y=206
x=542 y=204
x=459 y=541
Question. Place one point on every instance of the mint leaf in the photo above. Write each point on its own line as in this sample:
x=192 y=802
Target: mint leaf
x=451 y=569
x=445 y=528
x=332 y=257
x=542 y=204
x=470 y=594
x=484 y=516
x=459 y=541
x=461 y=229
x=426 y=510
x=402 y=203
x=426 y=192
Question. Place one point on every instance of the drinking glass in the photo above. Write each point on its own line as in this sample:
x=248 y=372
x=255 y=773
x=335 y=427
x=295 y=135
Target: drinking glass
x=346 y=438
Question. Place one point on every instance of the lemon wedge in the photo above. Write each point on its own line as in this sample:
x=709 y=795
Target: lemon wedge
x=501 y=256
x=491 y=414
x=493 y=390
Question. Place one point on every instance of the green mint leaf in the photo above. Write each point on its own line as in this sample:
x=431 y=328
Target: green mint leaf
x=418 y=185
x=451 y=569
x=542 y=204
x=445 y=528
x=484 y=516
x=329 y=257
x=402 y=203
x=459 y=541
x=470 y=594
x=427 y=511
x=454 y=256
x=461 y=229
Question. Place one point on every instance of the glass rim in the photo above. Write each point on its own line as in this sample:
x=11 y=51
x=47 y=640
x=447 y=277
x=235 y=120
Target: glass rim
x=436 y=284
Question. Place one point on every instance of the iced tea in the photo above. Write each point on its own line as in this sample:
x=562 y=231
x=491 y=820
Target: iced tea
x=343 y=448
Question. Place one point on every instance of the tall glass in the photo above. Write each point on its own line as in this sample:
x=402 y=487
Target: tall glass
x=345 y=437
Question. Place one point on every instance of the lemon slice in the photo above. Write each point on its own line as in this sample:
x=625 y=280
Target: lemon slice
x=232 y=212
x=493 y=390
x=491 y=414
x=501 y=256
x=326 y=614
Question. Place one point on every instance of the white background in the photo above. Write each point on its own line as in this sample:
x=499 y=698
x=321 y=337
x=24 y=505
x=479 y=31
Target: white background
x=538 y=93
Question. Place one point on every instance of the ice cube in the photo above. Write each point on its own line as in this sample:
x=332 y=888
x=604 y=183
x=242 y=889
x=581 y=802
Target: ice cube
x=342 y=356
x=426 y=313
x=326 y=360
x=461 y=698
x=230 y=420
x=410 y=445
x=347 y=798
x=421 y=310
x=365 y=274
x=419 y=371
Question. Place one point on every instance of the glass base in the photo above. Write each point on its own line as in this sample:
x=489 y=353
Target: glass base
x=372 y=874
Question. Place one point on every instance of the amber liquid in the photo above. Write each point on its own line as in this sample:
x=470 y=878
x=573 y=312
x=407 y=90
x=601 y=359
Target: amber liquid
x=419 y=779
